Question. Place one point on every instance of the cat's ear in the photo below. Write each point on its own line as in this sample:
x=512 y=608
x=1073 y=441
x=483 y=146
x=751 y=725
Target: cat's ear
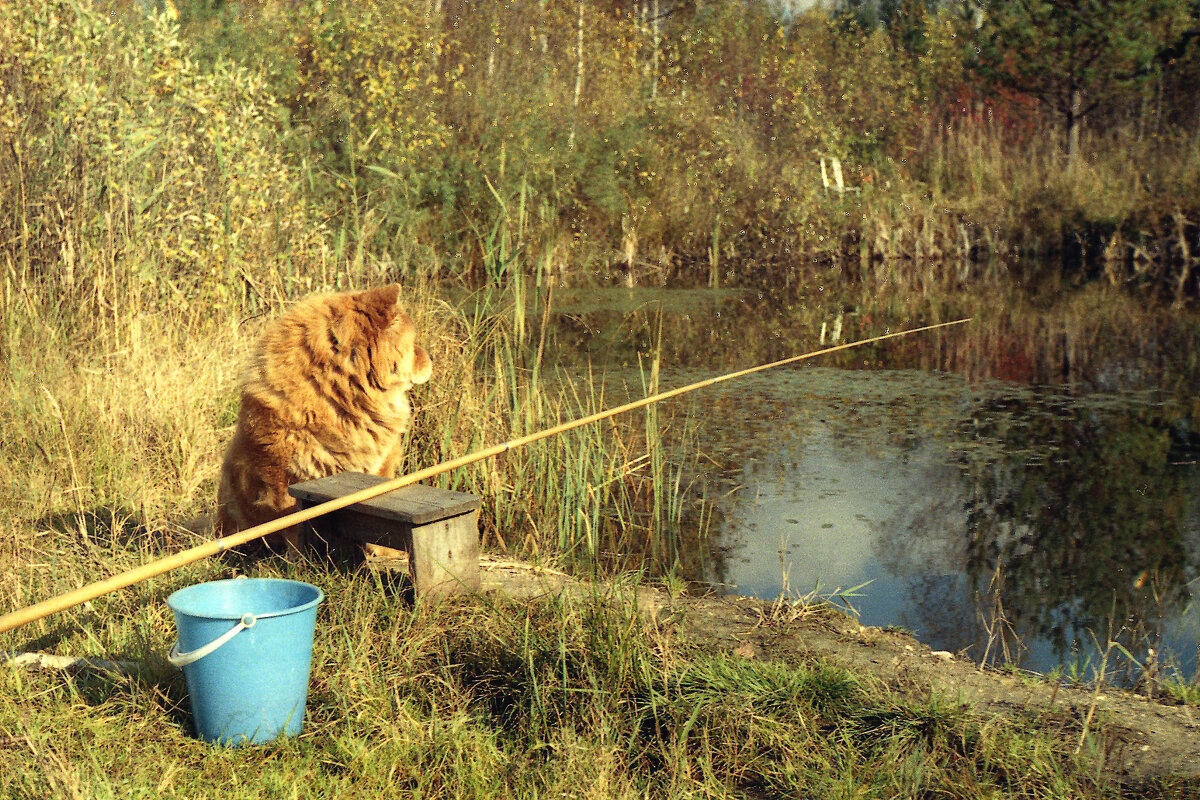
x=385 y=299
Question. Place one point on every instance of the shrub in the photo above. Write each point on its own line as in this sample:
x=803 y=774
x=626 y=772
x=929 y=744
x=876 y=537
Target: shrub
x=131 y=168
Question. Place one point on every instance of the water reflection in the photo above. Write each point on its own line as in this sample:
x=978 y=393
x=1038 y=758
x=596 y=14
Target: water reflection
x=1087 y=515
x=1021 y=488
x=1012 y=523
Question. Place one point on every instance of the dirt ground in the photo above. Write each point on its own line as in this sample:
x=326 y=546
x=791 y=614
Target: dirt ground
x=1140 y=739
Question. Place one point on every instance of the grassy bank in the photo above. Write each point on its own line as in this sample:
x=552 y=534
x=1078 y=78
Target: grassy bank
x=129 y=434
x=579 y=696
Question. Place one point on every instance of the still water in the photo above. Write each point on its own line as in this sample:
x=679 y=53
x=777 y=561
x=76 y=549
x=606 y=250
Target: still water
x=1014 y=522
x=1023 y=490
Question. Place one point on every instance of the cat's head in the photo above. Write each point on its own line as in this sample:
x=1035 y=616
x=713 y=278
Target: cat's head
x=371 y=336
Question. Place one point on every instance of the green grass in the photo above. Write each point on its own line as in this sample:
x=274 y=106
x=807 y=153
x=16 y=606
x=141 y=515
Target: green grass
x=578 y=695
x=140 y=434
x=1181 y=691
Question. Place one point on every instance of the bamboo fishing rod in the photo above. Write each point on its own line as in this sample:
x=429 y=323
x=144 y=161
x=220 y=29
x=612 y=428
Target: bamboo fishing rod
x=83 y=594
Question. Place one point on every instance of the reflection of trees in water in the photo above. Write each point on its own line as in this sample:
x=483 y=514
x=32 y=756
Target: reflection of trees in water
x=1065 y=518
x=924 y=542
x=1093 y=534
x=1095 y=339
x=1103 y=343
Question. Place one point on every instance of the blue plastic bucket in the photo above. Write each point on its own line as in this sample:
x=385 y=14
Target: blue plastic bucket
x=245 y=646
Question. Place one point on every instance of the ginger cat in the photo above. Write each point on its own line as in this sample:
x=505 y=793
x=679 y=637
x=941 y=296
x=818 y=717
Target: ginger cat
x=326 y=391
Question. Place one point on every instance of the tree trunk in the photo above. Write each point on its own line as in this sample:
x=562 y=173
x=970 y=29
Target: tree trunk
x=493 y=44
x=578 y=76
x=657 y=48
x=1073 y=126
x=543 y=38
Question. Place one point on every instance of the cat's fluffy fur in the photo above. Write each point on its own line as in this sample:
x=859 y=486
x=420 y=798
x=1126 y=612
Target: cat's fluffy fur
x=326 y=392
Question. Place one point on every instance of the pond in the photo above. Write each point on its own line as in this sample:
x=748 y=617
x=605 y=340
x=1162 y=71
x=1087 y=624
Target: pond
x=1024 y=487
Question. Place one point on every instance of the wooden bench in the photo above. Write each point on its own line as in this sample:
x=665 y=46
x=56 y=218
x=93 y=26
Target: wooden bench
x=437 y=528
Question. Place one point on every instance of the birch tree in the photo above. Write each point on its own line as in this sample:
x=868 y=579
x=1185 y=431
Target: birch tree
x=578 y=76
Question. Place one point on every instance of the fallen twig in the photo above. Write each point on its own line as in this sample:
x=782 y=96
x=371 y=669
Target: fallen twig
x=47 y=661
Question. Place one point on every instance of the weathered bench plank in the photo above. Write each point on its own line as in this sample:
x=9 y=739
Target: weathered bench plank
x=437 y=528
x=416 y=504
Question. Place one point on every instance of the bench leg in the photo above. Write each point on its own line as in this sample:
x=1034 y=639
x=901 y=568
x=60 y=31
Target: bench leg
x=444 y=558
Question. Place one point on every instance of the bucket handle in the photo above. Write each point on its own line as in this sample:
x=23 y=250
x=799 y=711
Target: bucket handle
x=178 y=659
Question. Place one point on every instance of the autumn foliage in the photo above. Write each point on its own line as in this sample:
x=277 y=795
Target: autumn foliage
x=255 y=143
